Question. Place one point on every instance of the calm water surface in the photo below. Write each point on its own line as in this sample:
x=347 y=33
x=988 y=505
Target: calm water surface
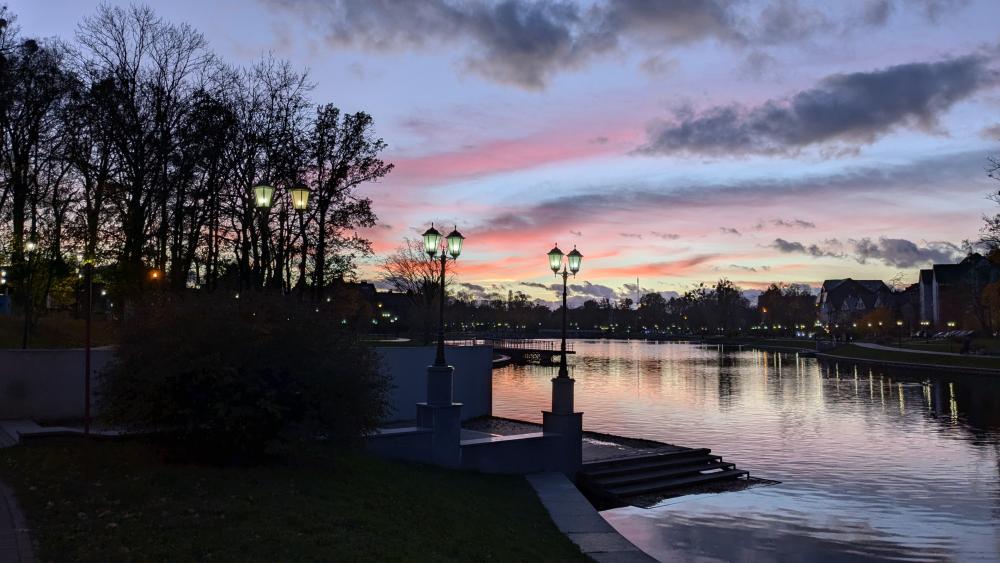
x=873 y=464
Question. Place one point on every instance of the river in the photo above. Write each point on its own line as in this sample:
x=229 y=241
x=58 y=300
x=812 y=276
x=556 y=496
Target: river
x=873 y=464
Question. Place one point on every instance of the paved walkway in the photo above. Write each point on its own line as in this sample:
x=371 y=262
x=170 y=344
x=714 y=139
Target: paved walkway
x=15 y=542
x=908 y=350
x=575 y=517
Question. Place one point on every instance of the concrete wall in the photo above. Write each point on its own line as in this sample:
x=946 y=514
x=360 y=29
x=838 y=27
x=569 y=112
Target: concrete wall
x=473 y=379
x=47 y=385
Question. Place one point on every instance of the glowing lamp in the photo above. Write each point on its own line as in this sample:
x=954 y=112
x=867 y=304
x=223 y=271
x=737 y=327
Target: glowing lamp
x=300 y=197
x=262 y=196
x=555 y=259
x=574 y=258
x=455 y=239
x=432 y=240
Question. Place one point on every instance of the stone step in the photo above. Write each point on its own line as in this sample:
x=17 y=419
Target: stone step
x=627 y=460
x=667 y=484
x=645 y=464
x=661 y=474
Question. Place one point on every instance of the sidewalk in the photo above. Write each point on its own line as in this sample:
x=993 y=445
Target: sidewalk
x=15 y=541
x=908 y=350
x=580 y=521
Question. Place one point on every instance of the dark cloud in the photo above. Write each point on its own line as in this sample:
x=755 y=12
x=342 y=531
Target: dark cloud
x=759 y=65
x=521 y=42
x=535 y=285
x=730 y=231
x=630 y=235
x=576 y=233
x=789 y=20
x=587 y=289
x=794 y=223
x=657 y=65
x=665 y=236
x=877 y=12
x=903 y=253
x=749 y=268
x=791 y=247
x=526 y=42
x=934 y=10
x=852 y=109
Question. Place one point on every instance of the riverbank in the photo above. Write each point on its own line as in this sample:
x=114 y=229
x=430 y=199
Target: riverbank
x=914 y=359
x=106 y=500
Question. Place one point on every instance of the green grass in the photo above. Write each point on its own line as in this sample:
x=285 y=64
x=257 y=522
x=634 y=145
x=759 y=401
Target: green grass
x=861 y=353
x=57 y=330
x=989 y=344
x=107 y=501
x=781 y=342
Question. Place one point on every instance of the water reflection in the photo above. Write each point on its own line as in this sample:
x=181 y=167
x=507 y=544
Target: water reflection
x=874 y=463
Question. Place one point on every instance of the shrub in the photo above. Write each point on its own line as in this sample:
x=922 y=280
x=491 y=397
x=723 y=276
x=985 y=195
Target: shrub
x=227 y=378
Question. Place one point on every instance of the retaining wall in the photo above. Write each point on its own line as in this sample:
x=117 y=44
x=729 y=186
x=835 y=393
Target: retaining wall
x=47 y=385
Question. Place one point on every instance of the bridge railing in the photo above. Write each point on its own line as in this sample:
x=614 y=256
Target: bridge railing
x=505 y=342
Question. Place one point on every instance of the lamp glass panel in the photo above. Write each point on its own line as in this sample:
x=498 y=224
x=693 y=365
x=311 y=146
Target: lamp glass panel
x=300 y=198
x=455 y=240
x=432 y=240
x=575 y=259
x=555 y=259
x=262 y=196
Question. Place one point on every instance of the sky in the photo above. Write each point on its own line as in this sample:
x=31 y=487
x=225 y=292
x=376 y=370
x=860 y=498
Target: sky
x=673 y=141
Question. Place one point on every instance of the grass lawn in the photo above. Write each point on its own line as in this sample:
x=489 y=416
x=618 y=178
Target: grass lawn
x=106 y=501
x=980 y=343
x=782 y=342
x=57 y=330
x=862 y=353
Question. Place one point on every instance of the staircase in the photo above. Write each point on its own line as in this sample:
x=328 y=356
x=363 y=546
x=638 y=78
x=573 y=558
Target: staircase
x=655 y=473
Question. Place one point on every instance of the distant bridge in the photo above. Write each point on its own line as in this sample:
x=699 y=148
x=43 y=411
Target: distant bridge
x=520 y=350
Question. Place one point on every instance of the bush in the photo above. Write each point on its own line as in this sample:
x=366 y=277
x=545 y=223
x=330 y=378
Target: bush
x=226 y=378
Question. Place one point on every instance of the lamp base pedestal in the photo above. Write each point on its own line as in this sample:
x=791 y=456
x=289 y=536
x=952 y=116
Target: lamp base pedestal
x=567 y=456
x=442 y=417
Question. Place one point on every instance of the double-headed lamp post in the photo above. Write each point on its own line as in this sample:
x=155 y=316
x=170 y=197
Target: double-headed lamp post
x=562 y=421
x=433 y=246
x=571 y=265
x=263 y=197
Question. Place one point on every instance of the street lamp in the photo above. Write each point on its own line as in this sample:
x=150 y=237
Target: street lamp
x=262 y=196
x=433 y=247
x=900 y=325
x=30 y=247
x=300 y=202
x=561 y=420
x=571 y=266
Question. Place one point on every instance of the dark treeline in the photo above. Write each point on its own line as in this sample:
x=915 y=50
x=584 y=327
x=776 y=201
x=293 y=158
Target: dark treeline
x=704 y=309
x=134 y=146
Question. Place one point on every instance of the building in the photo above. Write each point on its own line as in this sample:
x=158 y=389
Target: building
x=843 y=301
x=952 y=292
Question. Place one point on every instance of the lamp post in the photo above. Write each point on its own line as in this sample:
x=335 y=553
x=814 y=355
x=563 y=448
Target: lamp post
x=433 y=247
x=88 y=274
x=300 y=202
x=440 y=413
x=571 y=265
x=262 y=196
x=29 y=248
x=899 y=324
x=561 y=421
